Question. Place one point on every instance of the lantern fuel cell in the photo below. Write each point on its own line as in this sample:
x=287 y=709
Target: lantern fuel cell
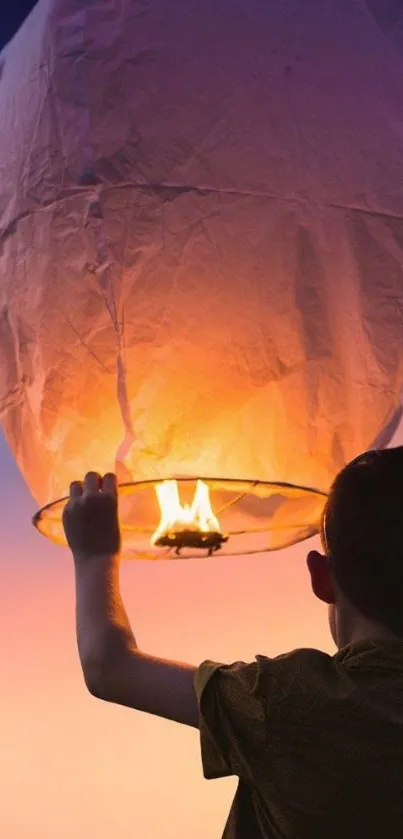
x=187 y=526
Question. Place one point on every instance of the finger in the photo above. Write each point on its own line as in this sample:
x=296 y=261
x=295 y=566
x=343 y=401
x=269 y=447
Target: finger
x=92 y=482
x=76 y=489
x=110 y=484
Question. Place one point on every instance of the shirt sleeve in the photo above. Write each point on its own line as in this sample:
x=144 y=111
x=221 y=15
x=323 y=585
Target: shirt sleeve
x=232 y=717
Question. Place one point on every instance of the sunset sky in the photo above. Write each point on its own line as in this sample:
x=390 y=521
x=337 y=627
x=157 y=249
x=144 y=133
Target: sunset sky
x=72 y=767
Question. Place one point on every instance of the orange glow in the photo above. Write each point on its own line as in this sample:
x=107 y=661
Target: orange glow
x=198 y=517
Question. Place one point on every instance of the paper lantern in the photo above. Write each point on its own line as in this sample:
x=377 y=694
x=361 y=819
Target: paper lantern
x=201 y=240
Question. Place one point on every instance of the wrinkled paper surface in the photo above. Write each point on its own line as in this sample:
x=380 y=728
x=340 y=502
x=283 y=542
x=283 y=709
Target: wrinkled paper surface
x=201 y=238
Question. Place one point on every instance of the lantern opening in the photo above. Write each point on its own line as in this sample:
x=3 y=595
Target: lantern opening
x=184 y=525
x=195 y=513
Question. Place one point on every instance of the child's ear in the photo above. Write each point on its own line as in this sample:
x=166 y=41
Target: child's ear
x=321 y=578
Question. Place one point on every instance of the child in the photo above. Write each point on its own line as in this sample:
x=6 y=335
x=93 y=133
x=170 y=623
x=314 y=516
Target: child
x=315 y=740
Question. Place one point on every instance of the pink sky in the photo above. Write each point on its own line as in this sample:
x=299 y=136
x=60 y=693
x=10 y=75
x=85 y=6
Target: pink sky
x=71 y=766
x=75 y=767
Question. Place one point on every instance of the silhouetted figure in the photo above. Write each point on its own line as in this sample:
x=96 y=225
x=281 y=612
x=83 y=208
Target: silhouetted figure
x=315 y=740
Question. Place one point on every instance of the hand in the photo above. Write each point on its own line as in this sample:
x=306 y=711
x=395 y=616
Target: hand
x=90 y=517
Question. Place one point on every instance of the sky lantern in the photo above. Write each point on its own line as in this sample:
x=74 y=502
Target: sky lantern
x=201 y=259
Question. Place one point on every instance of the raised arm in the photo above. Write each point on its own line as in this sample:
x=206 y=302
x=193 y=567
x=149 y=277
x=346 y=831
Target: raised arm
x=114 y=669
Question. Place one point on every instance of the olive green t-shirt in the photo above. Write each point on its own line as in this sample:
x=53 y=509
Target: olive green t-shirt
x=315 y=740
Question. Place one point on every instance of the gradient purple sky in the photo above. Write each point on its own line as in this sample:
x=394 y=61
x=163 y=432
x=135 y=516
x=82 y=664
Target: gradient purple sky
x=73 y=767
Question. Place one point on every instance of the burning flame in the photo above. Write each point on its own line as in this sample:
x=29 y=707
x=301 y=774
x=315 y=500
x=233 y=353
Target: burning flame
x=175 y=517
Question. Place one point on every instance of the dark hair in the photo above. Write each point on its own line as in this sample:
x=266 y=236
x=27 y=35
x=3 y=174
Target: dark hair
x=362 y=534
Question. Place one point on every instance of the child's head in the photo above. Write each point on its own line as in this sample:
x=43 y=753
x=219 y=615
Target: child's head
x=360 y=574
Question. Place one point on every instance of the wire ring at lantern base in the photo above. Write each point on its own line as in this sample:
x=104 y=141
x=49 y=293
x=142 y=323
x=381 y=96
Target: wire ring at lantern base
x=254 y=517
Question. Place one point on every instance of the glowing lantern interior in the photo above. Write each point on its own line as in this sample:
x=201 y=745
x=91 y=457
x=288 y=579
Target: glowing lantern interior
x=201 y=244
